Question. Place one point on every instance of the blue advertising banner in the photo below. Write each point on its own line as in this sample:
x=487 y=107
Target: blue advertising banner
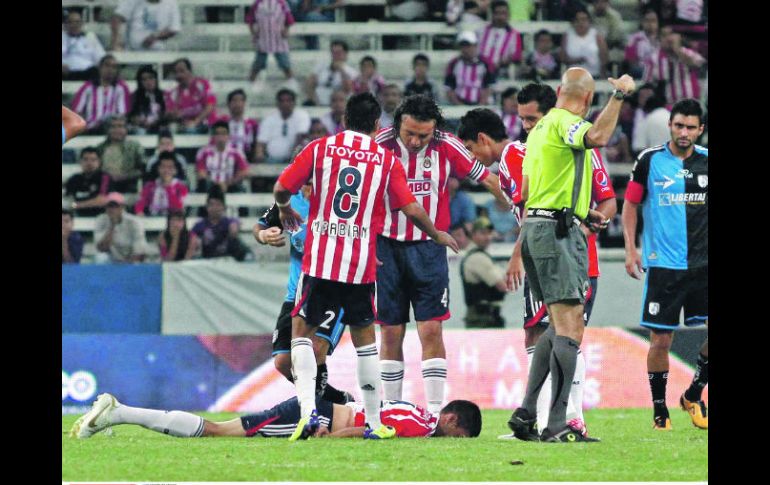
x=154 y=371
x=111 y=298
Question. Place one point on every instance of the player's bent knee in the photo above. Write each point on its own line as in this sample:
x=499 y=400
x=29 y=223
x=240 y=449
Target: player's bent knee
x=661 y=339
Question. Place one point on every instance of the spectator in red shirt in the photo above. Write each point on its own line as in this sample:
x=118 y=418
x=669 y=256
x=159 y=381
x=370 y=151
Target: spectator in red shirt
x=165 y=193
x=100 y=98
x=498 y=41
x=675 y=67
x=191 y=103
x=220 y=163
x=176 y=242
x=243 y=130
x=269 y=22
x=148 y=106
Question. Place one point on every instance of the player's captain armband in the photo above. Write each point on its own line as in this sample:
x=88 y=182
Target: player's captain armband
x=634 y=192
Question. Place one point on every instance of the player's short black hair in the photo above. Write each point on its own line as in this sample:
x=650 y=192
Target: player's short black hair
x=499 y=3
x=340 y=43
x=654 y=102
x=420 y=57
x=541 y=33
x=235 y=93
x=420 y=107
x=368 y=59
x=543 y=94
x=167 y=155
x=89 y=149
x=285 y=91
x=361 y=112
x=687 y=107
x=468 y=415
x=481 y=120
x=220 y=124
x=215 y=192
x=186 y=62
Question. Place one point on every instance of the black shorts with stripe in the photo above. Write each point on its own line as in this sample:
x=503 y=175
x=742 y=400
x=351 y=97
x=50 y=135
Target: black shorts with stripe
x=319 y=302
x=281 y=420
x=536 y=314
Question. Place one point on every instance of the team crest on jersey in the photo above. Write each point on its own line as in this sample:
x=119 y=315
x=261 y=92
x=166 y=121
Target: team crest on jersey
x=703 y=181
x=426 y=163
x=653 y=308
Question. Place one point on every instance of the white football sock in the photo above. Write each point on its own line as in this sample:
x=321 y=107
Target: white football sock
x=304 y=370
x=175 y=423
x=368 y=363
x=392 y=373
x=434 y=379
x=578 y=386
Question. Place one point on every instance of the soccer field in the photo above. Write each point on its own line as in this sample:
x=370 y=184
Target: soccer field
x=630 y=451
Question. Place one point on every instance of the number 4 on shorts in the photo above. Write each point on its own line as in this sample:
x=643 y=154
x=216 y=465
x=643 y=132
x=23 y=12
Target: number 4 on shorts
x=445 y=298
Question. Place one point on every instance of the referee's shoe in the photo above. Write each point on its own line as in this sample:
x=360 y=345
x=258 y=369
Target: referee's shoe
x=566 y=435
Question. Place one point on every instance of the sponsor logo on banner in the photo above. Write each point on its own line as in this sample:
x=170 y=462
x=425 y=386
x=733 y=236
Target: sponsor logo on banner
x=78 y=386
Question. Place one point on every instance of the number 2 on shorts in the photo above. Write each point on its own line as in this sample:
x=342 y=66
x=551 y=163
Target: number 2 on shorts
x=326 y=325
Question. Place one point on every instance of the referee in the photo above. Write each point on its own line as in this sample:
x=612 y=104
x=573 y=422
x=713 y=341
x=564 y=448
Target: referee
x=557 y=172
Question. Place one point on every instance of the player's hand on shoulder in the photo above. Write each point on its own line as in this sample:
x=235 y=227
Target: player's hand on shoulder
x=445 y=239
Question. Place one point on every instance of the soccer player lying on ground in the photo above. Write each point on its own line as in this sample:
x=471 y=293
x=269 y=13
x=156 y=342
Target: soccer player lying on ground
x=457 y=419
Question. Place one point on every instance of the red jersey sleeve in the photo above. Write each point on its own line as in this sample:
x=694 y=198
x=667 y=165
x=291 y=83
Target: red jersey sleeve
x=461 y=161
x=301 y=169
x=145 y=198
x=398 y=191
x=601 y=184
x=240 y=162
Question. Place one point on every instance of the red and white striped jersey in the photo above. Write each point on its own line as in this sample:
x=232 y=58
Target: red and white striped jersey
x=512 y=124
x=220 y=166
x=409 y=420
x=243 y=133
x=351 y=176
x=681 y=80
x=271 y=16
x=500 y=44
x=192 y=100
x=511 y=180
x=427 y=174
x=95 y=103
x=468 y=78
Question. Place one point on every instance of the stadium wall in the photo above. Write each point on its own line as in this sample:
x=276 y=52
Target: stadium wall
x=236 y=373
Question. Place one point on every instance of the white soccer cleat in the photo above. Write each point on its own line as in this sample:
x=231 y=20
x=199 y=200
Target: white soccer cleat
x=95 y=420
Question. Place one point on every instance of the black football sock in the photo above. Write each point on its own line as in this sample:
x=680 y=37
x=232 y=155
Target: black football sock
x=699 y=380
x=321 y=380
x=563 y=363
x=541 y=365
x=658 y=381
x=334 y=395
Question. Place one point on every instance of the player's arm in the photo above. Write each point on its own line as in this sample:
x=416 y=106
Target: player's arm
x=268 y=229
x=290 y=181
x=600 y=132
x=492 y=184
x=635 y=193
x=73 y=123
x=355 y=432
x=514 y=276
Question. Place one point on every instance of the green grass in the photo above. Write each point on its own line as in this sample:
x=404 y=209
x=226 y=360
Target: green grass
x=630 y=451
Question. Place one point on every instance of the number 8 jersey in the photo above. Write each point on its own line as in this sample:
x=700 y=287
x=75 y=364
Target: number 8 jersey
x=350 y=174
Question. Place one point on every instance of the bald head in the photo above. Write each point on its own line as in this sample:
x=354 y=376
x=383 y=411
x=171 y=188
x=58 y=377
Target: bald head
x=576 y=83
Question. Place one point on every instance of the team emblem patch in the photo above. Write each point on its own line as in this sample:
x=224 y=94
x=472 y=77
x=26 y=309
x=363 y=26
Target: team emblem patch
x=703 y=181
x=653 y=308
x=426 y=163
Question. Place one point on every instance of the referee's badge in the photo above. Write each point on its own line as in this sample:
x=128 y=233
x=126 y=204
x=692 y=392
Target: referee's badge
x=654 y=308
x=703 y=181
x=426 y=162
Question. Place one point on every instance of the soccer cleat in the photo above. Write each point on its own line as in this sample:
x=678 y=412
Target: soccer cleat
x=579 y=425
x=382 y=433
x=523 y=425
x=566 y=435
x=96 y=419
x=697 y=410
x=662 y=423
x=306 y=427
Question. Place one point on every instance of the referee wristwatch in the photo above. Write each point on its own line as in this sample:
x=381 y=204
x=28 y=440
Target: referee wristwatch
x=618 y=94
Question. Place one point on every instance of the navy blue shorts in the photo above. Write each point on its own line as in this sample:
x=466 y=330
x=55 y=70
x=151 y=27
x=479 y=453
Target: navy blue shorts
x=282 y=333
x=668 y=291
x=281 y=420
x=536 y=314
x=413 y=273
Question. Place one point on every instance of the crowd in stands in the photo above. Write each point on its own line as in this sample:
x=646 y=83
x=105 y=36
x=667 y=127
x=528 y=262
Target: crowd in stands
x=668 y=53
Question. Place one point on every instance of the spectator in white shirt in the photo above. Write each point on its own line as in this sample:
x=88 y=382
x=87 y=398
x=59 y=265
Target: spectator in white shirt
x=329 y=76
x=333 y=119
x=149 y=24
x=119 y=236
x=80 y=51
x=390 y=99
x=653 y=130
x=279 y=131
